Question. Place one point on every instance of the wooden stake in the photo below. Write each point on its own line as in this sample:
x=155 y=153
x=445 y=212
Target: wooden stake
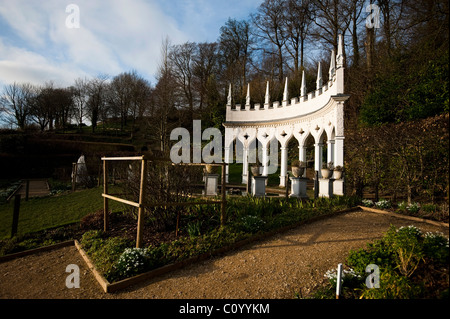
x=27 y=190
x=286 y=195
x=178 y=222
x=223 y=204
x=141 y=203
x=15 y=221
x=338 y=281
x=74 y=176
x=105 y=199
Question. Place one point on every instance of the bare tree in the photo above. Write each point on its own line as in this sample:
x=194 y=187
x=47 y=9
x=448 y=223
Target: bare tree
x=95 y=106
x=355 y=8
x=119 y=97
x=140 y=99
x=42 y=107
x=15 y=103
x=164 y=99
x=182 y=59
x=269 y=22
x=63 y=106
x=80 y=97
x=331 y=19
x=235 y=54
x=205 y=66
x=298 y=17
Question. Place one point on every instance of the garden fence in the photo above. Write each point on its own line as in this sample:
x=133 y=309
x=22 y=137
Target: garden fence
x=142 y=203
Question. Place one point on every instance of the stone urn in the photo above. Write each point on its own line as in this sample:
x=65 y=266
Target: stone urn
x=325 y=173
x=327 y=170
x=255 y=170
x=298 y=171
x=338 y=172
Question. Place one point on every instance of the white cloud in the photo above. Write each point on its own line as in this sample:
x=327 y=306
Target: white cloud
x=26 y=19
x=114 y=36
x=21 y=65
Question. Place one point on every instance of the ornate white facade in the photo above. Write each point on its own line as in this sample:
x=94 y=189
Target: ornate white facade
x=319 y=113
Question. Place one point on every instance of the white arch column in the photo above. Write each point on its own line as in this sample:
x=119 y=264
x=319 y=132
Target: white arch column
x=330 y=151
x=265 y=160
x=302 y=156
x=339 y=151
x=318 y=157
x=283 y=173
x=245 y=165
x=338 y=184
x=227 y=160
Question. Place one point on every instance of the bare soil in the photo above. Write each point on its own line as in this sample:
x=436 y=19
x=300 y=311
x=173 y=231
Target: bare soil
x=277 y=267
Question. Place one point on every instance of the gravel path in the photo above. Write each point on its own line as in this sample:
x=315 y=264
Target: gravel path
x=294 y=261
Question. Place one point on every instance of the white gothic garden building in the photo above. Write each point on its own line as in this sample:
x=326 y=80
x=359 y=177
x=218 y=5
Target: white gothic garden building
x=317 y=115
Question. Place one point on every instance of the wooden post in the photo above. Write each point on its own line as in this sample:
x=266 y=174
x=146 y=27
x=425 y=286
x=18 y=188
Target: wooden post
x=141 y=203
x=223 y=204
x=27 y=190
x=105 y=199
x=74 y=177
x=178 y=222
x=100 y=169
x=287 y=186
x=15 y=221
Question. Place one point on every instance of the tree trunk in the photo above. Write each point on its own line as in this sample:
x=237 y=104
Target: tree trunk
x=370 y=47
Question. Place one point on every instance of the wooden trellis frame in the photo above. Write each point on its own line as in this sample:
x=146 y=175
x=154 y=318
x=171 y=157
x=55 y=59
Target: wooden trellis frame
x=141 y=205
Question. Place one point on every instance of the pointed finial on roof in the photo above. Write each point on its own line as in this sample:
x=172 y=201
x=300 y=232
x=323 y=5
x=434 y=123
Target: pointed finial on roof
x=340 y=53
x=247 y=99
x=285 y=94
x=267 y=97
x=303 y=87
x=229 y=96
x=319 y=77
x=332 y=70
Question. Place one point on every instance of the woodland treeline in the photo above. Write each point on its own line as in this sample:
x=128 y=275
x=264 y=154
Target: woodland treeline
x=396 y=72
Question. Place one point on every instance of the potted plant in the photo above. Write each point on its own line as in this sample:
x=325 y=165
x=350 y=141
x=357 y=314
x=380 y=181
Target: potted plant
x=255 y=168
x=326 y=169
x=338 y=172
x=298 y=168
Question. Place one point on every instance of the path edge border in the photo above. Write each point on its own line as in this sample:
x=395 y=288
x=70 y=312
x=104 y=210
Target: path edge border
x=35 y=250
x=412 y=218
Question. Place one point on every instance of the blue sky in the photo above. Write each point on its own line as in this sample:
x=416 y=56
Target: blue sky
x=114 y=36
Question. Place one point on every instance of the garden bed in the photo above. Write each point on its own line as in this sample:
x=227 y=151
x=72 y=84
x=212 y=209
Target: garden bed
x=406 y=263
x=244 y=239
x=249 y=219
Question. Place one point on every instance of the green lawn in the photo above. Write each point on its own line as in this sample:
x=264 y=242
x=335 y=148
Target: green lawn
x=52 y=211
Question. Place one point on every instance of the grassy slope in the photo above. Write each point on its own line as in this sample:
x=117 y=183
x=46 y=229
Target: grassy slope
x=52 y=211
